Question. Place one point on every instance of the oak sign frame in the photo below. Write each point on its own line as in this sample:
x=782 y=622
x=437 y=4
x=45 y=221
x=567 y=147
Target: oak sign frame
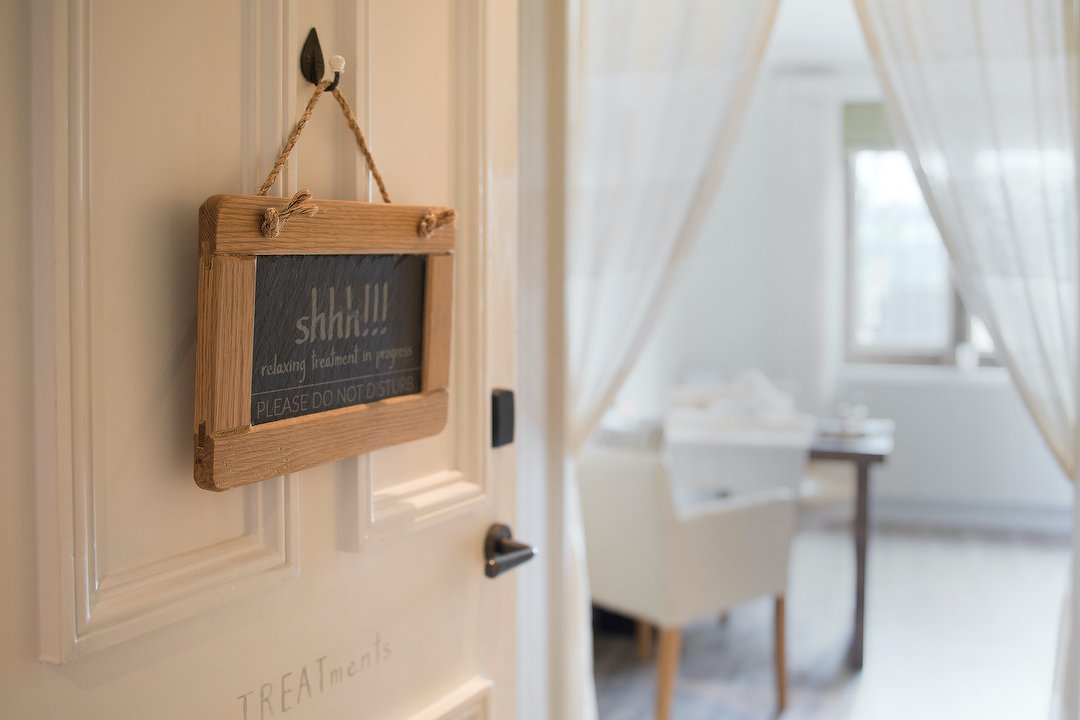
x=229 y=450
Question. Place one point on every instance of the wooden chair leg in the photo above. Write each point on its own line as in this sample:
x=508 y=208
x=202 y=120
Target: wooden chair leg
x=667 y=668
x=643 y=638
x=780 y=656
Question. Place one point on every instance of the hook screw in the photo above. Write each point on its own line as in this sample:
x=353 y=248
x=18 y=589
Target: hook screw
x=337 y=66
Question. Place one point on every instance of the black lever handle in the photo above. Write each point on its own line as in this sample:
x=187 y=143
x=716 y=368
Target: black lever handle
x=502 y=552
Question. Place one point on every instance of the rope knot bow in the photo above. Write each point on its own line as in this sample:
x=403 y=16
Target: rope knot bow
x=432 y=221
x=274 y=220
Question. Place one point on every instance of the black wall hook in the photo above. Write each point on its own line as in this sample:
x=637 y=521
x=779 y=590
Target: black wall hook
x=311 y=59
x=312 y=66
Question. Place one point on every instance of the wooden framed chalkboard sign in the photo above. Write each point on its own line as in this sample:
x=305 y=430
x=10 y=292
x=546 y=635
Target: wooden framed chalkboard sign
x=329 y=340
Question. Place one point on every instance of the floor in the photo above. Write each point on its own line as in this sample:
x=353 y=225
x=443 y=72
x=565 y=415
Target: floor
x=959 y=625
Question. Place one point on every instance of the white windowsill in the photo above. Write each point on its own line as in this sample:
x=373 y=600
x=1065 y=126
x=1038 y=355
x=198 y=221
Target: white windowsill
x=900 y=374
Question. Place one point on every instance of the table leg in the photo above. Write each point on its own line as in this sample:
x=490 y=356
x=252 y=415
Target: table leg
x=862 y=522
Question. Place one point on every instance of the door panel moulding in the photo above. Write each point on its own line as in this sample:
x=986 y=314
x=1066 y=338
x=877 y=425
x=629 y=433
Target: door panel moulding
x=82 y=610
x=368 y=511
x=469 y=701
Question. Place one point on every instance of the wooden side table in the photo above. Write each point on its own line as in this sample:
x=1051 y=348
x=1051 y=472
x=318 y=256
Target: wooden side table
x=872 y=446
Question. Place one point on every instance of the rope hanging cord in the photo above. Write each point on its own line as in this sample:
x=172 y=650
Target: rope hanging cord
x=274 y=220
x=283 y=156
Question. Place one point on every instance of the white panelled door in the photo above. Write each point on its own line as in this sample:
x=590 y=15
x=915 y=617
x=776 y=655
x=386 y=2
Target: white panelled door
x=355 y=589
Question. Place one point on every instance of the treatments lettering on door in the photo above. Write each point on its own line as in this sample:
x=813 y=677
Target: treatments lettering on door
x=292 y=689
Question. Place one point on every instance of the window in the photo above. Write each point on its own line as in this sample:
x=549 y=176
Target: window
x=901 y=304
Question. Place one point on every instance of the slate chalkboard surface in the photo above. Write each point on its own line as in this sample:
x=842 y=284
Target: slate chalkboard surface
x=335 y=330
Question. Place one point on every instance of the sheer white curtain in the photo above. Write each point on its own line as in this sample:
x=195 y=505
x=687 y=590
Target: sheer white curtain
x=982 y=93
x=657 y=90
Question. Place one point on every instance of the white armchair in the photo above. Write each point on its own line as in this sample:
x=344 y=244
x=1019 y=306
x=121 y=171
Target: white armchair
x=668 y=565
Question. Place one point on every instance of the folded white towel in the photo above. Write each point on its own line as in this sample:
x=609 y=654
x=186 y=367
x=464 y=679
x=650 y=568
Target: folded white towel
x=750 y=410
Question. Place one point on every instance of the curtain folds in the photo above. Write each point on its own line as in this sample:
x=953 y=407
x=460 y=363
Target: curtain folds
x=656 y=96
x=982 y=94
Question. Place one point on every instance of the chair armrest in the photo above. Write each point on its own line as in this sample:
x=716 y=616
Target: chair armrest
x=728 y=553
x=619 y=492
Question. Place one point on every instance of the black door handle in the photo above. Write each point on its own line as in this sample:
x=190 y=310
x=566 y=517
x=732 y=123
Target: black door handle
x=502 y=552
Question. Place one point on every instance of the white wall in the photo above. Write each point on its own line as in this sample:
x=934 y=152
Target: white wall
x=756 y=292
x=966 y=449
x=723 y=306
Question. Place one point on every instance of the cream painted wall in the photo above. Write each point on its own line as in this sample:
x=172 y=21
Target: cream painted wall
x=17 y=558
